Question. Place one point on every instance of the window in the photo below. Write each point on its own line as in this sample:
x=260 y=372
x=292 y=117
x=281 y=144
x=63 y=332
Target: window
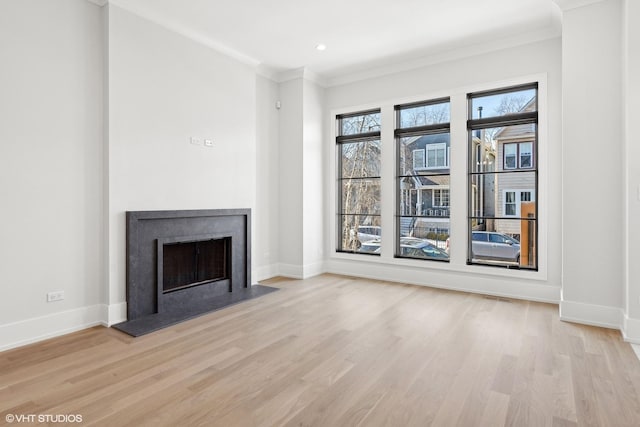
x=513 y=200
x=510 y=156
x=440 y=198
x=502 y=197
x=518 y=155
x=358 y=155
x=418 y=159
x=526 y=154
x=437 y=156
x=422 y=144
x=510 y=203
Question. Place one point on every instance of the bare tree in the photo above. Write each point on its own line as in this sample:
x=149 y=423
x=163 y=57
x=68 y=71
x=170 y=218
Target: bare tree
x=360 y=161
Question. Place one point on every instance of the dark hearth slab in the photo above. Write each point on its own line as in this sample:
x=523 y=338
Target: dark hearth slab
x=153 y=322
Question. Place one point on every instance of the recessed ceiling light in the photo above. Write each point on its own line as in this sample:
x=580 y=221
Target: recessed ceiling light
x=321 y=47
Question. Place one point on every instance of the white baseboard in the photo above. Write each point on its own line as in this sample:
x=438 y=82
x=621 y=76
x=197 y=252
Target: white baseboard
x=486 y=285
x=313 y=269
x=290 y=270
x=592 y=314
x=28 y=331
x=265 y=272
x=301 y=271
x=631 y=330
x=116 y=313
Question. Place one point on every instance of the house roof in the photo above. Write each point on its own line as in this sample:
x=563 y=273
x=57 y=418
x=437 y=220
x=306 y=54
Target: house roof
x=519 y=131
x=418 y=142
x=433 y=180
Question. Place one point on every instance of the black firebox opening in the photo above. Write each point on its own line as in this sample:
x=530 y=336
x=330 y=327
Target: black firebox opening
x=187 y=264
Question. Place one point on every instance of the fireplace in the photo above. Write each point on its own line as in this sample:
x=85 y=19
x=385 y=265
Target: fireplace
x=181 y=264
x=185 y=264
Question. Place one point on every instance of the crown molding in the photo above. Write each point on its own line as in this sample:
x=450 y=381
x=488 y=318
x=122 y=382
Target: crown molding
x=99 y=2
x=398 y=66
x=574 y=4
x=186 y=32
x=300 y=73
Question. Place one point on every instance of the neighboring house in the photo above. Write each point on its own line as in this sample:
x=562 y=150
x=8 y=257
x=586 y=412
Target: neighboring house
x=515 y=145
x=483 y=188
x=426 y=195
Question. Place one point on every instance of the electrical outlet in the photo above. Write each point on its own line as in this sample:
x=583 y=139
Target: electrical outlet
x=196 y=141
x=208 y=142
x=55 y=296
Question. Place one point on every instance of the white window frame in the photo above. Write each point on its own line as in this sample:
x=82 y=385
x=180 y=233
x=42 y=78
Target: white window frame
x=433 y=197
x=515 y=155
x=436 y=147
x=518 y=200
x=416 y=153
x=518 y=155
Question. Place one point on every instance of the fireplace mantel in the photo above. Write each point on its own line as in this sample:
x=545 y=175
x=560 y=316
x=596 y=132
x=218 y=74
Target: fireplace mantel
x=148 y=307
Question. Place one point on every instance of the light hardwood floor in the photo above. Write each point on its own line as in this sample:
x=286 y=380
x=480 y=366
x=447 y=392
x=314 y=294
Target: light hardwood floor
x=337 y=351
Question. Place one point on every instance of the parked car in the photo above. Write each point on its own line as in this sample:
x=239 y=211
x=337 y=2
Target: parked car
x=410 y=247
x=419 y=248
x=367 y=233
x=492 y=245
x=370 y=247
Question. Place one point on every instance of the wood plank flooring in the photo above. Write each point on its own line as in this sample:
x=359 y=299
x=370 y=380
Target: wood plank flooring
x=337 y=351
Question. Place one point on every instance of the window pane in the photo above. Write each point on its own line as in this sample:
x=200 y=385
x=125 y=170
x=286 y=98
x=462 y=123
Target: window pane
x=360 y=233
x=503 y=104
x=500 y=194
x=432 y=151
x=353 y=125
x=425 y=248
x=494 y=149
x=505 y=242
x=526 y=154
x=418 y=159
x=424 y=115
x=360 y=159
x=361 y=196
x=425 y=196
x=510 y=153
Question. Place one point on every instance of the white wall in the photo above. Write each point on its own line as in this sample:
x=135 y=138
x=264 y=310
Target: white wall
x=632 y=166
x=164 y=89
x=266 y=217
x=51 y=171
x=592 y=202
x=290 y=177
x=453 y=79
x=314 y=235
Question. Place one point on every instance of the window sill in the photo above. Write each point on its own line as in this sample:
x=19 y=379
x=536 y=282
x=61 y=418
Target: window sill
x=440 y=266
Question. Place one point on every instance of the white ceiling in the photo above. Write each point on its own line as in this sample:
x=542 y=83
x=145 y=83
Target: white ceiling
x=281 y=35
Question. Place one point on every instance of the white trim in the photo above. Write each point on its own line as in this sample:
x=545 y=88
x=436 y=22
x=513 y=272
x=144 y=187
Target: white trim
x=301 y=271
x=591 y=314
x=631 y=330
x=300 y=73
x=410 y=272
x=265 y=272
x=188 y=33
x=28 y=331
x=574 y=4
x=290 y=270
x=436 y=147
x=99 y=2
x=116 y=313
x=420 y=165
x=445 y=55
x=313 y=269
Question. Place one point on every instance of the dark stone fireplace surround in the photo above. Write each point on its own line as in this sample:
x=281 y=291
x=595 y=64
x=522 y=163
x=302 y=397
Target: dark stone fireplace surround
x=148 y=307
